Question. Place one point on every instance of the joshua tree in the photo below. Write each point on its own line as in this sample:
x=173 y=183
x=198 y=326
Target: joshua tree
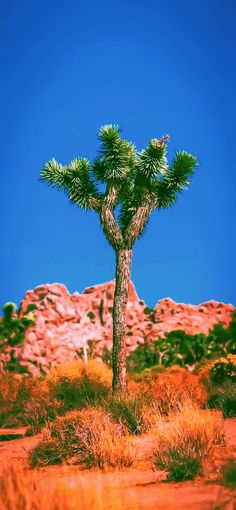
x=136 y=184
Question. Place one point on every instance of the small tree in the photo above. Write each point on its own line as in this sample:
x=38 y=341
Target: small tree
x=136 y=184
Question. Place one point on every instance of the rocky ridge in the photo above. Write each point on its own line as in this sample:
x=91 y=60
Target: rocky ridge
x=64 y=323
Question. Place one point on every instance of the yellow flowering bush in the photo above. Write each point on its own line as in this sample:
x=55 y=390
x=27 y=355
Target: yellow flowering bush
x=223 y=369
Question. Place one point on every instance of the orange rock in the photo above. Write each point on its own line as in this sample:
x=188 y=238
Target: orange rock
x=65 y=322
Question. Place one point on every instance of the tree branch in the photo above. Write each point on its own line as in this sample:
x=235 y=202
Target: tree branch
x=108 y=221
x=138 y=221
x=95 y=204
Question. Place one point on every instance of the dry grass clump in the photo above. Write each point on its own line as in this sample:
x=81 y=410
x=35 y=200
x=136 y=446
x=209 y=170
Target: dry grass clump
x=88 y=437
x=34 y=401
x=135 y=411
x=26 y=490
x=41 y=407
x=26 y=400
x=171 y=388
x=15 y=391
x=77 y=384
x=188 y=441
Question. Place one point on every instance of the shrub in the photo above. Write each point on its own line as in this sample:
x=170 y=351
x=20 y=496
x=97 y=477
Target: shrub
x=148 y=373
x=224 y=398
x=135 y=411
x=190 y=439
x=41 y=407
x=15 y=391
x=223 y=369
x=88 y=437
x=25 y=400
x=77 y=384
x=171 y=388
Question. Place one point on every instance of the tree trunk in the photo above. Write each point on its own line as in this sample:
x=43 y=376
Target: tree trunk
x=123 y=269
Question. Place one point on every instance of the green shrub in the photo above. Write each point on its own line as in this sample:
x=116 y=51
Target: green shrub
x=223 y=369
x=89 y=437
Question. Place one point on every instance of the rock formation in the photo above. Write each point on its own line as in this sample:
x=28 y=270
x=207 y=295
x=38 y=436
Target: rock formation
x=64 y=323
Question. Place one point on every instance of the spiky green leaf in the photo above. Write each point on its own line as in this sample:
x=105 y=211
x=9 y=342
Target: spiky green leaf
x=53 y=173
x=116 y=155
x=179 y=173
x=152 y=160
x=74 y=179
x=79 y=184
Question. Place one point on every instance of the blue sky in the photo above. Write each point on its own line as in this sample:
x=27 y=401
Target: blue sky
x=153 y=67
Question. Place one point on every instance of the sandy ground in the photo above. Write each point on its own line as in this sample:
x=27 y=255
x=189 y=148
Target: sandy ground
x=141 y=487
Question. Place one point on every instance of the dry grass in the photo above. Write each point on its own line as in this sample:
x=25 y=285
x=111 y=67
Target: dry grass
x=26 y=490
x=15 y=391
x=190 y=439
x=26 y=400
x=33 y=401
x=170 y=389
x=135 y=411
x=77 y=384
x=88 y=437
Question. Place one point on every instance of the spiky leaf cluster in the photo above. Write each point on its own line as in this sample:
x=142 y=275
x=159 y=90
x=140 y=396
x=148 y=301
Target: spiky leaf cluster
x=152 y=160
x=178 y=176
x=116 y=156
x=74 y=179
x=137 y=182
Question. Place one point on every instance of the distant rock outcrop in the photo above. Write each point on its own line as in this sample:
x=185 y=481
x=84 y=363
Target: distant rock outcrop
x=64 y=323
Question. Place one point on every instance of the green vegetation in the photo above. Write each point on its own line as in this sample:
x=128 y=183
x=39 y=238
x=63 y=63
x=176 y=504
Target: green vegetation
x=179 y=348
x=12 y=333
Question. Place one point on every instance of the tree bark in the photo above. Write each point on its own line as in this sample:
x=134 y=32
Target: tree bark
x=123 y=270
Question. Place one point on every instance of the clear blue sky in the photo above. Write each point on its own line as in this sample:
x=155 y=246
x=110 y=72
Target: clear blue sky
x=154 y=67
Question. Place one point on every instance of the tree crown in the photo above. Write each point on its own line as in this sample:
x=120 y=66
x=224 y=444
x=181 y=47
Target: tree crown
x=136 y=181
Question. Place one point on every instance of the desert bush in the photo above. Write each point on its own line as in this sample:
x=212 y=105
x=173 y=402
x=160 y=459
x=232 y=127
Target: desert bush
x=77 y=384
x=22 y=489
x=224 y=398
x=89 y=437
x=147 y=374
x=41 y=407
x=15 y=391
x=223 y=369
x=171 y=388
x=135 y=411
x=25 y=400
x=192 y=434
